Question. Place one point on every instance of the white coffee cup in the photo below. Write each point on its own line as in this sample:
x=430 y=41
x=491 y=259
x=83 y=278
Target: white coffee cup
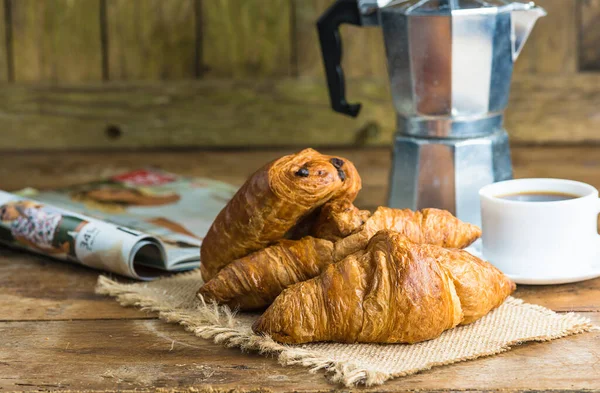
x=540 y=240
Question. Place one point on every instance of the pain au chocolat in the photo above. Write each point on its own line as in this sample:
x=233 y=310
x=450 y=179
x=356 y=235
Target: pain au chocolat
x=272 y=202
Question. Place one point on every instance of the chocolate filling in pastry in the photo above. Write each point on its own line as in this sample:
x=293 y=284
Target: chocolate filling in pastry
x=271 y=203
x=338 y=164
x=302 y=172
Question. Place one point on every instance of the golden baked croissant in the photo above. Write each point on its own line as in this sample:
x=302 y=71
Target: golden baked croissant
x=272 y=201
x=395 y=291
x=255 y=280
x=338 y=219
x=479 y=285
x=427 y=226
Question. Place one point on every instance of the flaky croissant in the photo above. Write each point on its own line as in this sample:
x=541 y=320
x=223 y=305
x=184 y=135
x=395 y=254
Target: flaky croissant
x=272 y=201
x=338 y=219
x=255 y=280
x=395 y=291
x=427 y=226
x=479 y=285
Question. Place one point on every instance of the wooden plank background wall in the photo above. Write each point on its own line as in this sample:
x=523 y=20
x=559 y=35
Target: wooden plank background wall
x=89 y=74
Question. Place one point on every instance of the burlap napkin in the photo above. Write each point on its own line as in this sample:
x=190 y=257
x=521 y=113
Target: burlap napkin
x=512 y=323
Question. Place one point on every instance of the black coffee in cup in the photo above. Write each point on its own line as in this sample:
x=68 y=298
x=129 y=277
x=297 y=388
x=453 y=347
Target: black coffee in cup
x=538 y=196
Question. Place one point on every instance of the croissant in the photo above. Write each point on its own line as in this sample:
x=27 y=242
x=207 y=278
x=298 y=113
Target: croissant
x=480 y=286
x=338 y=219
x=272 y=201
x=427 y=226
x=395 y=291
x=255 y=280
x=269 y=268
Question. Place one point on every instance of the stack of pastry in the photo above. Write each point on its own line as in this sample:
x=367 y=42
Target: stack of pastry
x=292 y=240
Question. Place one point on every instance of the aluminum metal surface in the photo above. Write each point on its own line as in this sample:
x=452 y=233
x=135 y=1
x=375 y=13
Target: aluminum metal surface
x=453 y=67
x=450 y=65
x=447 y=173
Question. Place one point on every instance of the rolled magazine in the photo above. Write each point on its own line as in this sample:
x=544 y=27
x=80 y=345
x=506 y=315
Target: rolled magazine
x=141 y=224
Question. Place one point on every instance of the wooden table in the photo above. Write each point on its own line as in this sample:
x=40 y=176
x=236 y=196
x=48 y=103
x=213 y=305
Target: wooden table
x=55 y=333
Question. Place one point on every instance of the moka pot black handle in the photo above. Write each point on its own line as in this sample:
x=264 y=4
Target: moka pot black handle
x=328 y=26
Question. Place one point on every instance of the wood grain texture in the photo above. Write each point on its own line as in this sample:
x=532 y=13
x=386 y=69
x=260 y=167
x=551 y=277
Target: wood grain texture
x=363 y=49
x=553 y=44
x=184 y=114
x=287 y=112
x=128 y=354
x=363 y=53
x=4 y=72
x=151 y=39
x=576 y=163
x=581 y=296
x=589 y=49
x=246 y=38
x=37 y=288
x=56 y=40
x=556 y=109
x=308 y=59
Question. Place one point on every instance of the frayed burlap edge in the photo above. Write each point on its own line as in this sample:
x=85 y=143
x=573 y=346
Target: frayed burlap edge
x=217 y=323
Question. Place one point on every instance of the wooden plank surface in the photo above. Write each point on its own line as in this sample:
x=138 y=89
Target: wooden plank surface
x=227 y=113
x=56 y=334
x=184 y=114
x=38 y=288
x=589 y=50
x=56 y=40
x=554 y=109
x=143 y=354
x=308 y=59
x=553 y=45
x=246 y=38
x=363 y=53
x=363 y=49
x=554 y=40
x=151 y=39
x=581 y=296
x=4 y=60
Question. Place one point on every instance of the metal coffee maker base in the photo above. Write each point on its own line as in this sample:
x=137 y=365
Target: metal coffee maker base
x=447 y=173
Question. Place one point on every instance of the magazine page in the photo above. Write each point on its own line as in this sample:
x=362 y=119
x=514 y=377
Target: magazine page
x=175 y=209
x=65 y=235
